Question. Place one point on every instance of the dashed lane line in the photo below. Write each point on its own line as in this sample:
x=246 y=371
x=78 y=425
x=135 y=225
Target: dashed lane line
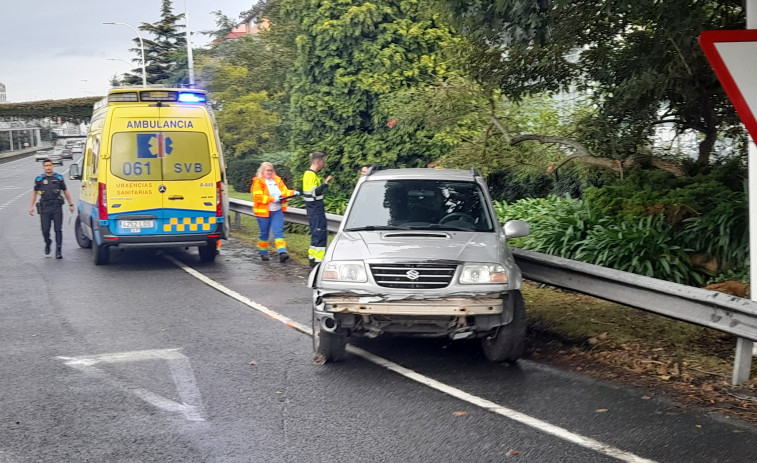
x=514 y=415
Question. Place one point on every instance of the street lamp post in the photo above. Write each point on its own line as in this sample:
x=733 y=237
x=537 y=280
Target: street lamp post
x=190 y=60
x=141 y=46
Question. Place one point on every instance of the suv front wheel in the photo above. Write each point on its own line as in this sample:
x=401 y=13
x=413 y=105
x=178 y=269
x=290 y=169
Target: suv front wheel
x=506 y=343
x=328 y=347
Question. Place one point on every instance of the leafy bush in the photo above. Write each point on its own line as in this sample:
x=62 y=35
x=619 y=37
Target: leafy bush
x=241 y=171
x=335 y=203
x=508 y=185
x=569 y=228
x=644 y=246
x=723 y=232
x=558 y=224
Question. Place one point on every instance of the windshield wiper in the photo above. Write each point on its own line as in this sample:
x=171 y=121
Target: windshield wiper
x=376 y=227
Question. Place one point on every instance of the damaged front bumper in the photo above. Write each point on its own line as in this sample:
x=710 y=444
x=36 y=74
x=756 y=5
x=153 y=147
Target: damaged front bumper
x=456 y=317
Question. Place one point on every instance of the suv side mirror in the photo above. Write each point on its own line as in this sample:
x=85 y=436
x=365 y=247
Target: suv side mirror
x=516 y=229
x=73 y=172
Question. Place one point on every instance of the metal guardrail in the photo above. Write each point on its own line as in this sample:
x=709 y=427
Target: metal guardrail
x=292 y=214
x=712 y=309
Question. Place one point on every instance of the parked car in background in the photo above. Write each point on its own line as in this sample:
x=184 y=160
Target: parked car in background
x=56 y=156
x=41 y=155
x=76 y=152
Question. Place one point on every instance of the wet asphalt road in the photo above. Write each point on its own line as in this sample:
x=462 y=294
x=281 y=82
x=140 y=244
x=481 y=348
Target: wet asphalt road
x=142 y=361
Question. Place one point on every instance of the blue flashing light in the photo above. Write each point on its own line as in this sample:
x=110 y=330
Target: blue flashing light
x=185 y=97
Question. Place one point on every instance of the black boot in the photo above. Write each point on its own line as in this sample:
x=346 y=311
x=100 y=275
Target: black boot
x=47 y=247
x=58 y=255
x=283 y=257
x=264 y=257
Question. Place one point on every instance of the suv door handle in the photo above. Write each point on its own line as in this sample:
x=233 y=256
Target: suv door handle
x=175 y=197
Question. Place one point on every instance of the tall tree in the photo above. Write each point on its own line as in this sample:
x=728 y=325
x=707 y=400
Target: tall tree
x=639 y=59
x=349 y=54
x=165 y=53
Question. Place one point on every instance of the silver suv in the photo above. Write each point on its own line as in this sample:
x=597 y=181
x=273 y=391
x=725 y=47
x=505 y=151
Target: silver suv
x=420 y=252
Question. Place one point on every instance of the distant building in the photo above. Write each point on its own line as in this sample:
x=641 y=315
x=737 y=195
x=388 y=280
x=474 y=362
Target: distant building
x=248 y=27
x=2 y=93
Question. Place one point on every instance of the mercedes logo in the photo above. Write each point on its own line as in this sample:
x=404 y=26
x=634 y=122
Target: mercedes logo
x=162 y=188
x=412 y=274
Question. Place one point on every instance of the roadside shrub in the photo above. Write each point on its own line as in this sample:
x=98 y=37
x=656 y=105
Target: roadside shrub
x=507 y=185
x=240 y=172
x=644 y=246
x=569 y=228
x=558 y=224
x=723 y=232
x=335 y=203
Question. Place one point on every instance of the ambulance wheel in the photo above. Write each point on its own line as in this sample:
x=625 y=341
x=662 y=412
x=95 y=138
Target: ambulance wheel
x=208 y=252
x=81 y=238
x=101 y=254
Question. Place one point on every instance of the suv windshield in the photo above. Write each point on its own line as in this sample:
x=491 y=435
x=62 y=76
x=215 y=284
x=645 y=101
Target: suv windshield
x=418 y=205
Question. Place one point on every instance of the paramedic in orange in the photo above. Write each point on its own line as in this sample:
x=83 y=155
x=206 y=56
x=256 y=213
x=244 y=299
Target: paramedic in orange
x=268 y=207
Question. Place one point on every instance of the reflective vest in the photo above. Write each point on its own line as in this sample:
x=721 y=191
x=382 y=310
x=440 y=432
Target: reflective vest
x=312 y=190
x=261 y=197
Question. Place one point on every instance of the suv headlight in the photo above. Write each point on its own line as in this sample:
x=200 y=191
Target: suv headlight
x=345 y=270
x=478 y=273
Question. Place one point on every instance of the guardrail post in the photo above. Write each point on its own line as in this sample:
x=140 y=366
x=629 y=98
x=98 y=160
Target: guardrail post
x=742 y=364
x=237 y=220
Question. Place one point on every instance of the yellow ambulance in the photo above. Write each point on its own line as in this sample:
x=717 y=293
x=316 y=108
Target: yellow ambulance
x=152 y=174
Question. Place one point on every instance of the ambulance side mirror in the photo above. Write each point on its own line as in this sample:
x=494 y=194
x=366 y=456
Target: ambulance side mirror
x=73 y=172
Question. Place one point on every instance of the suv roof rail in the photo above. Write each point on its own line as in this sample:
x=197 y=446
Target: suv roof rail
x=475 y=172
x=372 y=169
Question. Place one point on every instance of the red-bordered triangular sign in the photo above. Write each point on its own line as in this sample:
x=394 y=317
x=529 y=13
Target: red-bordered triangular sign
x=733 y=56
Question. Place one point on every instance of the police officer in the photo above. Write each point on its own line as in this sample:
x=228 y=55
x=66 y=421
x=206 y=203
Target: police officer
x=51 y=188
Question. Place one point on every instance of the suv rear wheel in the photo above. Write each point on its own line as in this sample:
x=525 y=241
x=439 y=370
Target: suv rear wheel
x=506 y=343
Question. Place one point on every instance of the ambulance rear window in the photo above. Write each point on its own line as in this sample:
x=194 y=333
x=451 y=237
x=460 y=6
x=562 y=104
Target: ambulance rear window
x=154 y=156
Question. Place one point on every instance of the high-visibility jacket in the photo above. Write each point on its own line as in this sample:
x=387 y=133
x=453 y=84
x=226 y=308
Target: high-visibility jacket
x=312 y=189
x=261 y=197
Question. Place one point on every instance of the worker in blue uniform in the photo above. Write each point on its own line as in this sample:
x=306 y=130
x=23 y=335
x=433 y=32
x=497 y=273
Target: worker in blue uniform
x=51 y=189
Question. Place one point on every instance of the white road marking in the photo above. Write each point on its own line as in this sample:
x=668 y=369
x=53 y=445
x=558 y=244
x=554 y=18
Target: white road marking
x=7 y=203
x=191 y=403
x=514 y=415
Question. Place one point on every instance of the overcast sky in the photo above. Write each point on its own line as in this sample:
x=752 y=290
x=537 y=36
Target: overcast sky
x=56 y=49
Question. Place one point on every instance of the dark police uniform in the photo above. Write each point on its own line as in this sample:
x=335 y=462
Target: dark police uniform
x=50 y=206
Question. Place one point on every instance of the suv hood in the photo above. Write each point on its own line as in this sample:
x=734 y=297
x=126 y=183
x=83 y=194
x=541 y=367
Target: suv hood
x=419 y=245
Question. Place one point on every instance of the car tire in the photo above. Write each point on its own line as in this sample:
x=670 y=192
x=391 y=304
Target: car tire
x=328 y=347
x=506 y=343
x=208 y=252
x=81 y=238
x=101 y=254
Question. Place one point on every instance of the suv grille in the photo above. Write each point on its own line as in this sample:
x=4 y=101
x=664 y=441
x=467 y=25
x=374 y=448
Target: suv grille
x=413 y=276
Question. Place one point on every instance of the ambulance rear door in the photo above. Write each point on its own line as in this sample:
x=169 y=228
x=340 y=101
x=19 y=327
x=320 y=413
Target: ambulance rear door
x=163 y=177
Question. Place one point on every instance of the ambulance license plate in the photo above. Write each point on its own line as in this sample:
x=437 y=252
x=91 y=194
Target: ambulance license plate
x=137 y=224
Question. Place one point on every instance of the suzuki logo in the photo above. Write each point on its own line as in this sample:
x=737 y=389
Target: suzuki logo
x=412 y=274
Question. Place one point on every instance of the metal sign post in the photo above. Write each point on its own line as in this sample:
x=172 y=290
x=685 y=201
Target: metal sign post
x=731 y=54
